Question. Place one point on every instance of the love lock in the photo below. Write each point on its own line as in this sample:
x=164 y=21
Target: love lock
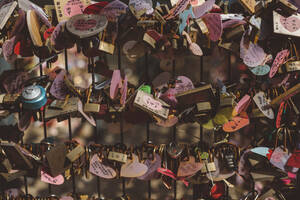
x=174 y=150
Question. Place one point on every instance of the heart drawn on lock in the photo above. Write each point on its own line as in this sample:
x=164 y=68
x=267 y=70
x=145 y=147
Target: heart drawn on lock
x=291 y=23
x=133 y=168
x=236 y=123
x=152 y=165
x=189 y=168
x=99 y=169
x=58 y=180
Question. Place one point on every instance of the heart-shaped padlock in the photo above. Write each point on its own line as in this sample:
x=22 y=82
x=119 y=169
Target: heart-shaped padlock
x=174 y=150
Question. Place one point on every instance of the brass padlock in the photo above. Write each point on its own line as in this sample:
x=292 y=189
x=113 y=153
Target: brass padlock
x=105 y=46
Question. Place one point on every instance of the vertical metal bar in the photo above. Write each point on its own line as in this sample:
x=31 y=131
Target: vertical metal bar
x=96 y=128
x=70 y=125
x=196 y=186
x=25 y=177
x=43 y=118
x=147 y=124
x=121 y=116
x=174 y=137
x=229 y=66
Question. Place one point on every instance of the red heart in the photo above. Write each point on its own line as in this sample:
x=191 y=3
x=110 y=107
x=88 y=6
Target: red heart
x=217 y=190
x=291 y=23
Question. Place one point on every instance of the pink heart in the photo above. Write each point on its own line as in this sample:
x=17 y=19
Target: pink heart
x=291 y=23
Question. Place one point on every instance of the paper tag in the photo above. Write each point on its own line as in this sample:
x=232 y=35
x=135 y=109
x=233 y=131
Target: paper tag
x=260 y=70
x=68 y=8
x=99 y=169
x=189 y=168
x=279 y=60
x=120 y=157
x=199 y=11
x=5 y=13
x=236 y=123
x=262 y=102
x=58 y=88
x=132 y=168
x=58 y=180
x=253 y=56
x=287 y=26
x=214 y=24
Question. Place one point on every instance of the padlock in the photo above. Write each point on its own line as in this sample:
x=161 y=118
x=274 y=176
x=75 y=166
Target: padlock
x=6 y=12
x=15 y=156
x=147 y=103
x=33 y=97
x=209 y=166
x=75 y=153
x=105 y=46
x=56 y=159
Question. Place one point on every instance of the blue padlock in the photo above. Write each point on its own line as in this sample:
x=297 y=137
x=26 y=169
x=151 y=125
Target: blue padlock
x=33 y=97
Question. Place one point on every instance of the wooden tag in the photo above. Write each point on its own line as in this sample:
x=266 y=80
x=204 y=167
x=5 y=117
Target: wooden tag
x=286 y=26
x=15 y=156
x=189 y=168
x=146 y=102
x=133 y=168
x=34 y=28
x=5 y=13
x=66 y=8
x=99 y=169
x=56 y=159
x=286 y=95
x=249 y=5
x=120 y=157
x=75 y=153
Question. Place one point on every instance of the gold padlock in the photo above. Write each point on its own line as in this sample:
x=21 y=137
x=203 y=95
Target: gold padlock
x=105 y=46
